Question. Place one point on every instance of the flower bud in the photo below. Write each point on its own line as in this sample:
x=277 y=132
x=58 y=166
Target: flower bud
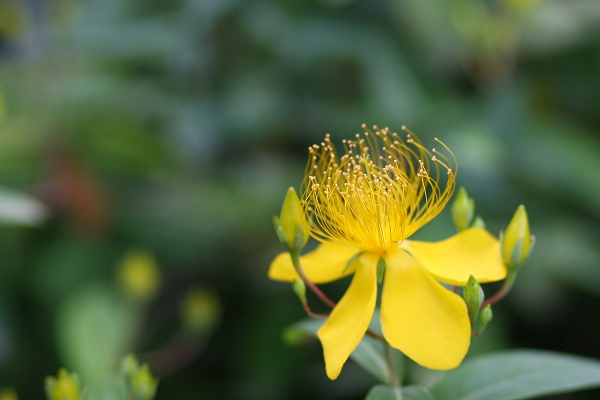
x=463 y=210
x=300 y=289
x=129 y=367
x=517 y=242
x=473 y=295
x=141 y=385
x=64 y=387
x=144 y=384
x=291 y=226
x=485 y=316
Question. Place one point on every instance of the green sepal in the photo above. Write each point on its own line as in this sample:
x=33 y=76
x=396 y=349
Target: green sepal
x=380 y=269
x=463 y=210
x=478 y=222
x=280 y=232
x=353 y=259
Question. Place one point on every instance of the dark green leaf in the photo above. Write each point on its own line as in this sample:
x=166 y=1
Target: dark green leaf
x=520 y=374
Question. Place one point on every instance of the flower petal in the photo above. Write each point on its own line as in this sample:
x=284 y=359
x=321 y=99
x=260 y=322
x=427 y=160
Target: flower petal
x=349 y=320
x=420 y=317
x=472 y=252
x=324 y=264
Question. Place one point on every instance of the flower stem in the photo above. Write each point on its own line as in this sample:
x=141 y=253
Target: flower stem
x=508 y=284
x=392 y=367
x=312 y=314
x=296 y=261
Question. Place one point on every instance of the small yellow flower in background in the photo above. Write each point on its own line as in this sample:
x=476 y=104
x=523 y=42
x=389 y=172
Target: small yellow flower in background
x=200 y=310
x=8 y=394
x=138 y=275
x=64 y=387
x=370 y=201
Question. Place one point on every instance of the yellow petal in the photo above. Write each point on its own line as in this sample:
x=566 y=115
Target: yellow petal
x=420 y=317
x=471 y=252
x=349 y=320
x=324 y=264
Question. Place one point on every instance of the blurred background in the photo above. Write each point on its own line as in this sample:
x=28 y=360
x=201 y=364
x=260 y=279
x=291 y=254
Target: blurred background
x=146 y=144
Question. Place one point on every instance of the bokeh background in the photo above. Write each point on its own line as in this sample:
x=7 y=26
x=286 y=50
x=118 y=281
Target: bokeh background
x=161 y=135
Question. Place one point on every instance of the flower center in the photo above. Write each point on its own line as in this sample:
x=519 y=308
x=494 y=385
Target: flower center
x=379 y=192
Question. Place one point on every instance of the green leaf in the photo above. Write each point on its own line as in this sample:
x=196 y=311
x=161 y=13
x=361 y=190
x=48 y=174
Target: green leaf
x=518 y=374
x=369 y=355
x=95 y=330
x=416 y=393
x=107 y=389
x=382 y=392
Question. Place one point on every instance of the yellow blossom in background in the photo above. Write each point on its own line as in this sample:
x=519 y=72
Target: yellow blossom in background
x=138 y=275
x=200 y=309
x=364 y=205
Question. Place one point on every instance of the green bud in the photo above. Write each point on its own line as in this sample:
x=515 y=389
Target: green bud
x=517 y=242
x=144 y=384
x=380 y=269
x=291 y=226
x=64 y=387
x=473 y=295
x=129 y=367
x=300 y=289
x=463 y=210
x=294 y=336
x=485 y=316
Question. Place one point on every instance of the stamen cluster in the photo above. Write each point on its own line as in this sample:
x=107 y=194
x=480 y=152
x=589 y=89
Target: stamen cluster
x=379 y=192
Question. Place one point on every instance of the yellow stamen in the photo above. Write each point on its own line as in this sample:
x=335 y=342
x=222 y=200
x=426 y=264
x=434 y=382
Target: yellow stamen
x=379 y=192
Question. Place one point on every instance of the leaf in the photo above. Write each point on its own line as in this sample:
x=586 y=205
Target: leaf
x=95 y=329
x=370 y=353
x=381 y=392
x=517 y=374
x=416 y=393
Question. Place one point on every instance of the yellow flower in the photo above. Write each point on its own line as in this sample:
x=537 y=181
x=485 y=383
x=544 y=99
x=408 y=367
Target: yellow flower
x=370 y=201
x=138 y=275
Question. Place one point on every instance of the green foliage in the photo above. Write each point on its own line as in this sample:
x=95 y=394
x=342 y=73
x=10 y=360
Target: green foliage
x=175 y=126
x=518 y=374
